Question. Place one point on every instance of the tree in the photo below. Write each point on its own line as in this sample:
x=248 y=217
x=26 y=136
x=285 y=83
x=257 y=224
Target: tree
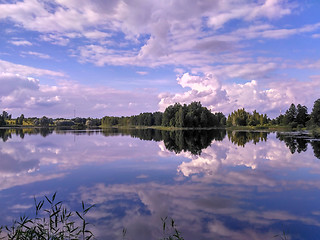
x=157 y=118
x=204 y=119
x=315 y=114
x=291 y=114
x=302 y=115
x=179 y=117
x=2 y=120
x=238 y=118
x=44 y=121
x=6 y=115
x=19 y=120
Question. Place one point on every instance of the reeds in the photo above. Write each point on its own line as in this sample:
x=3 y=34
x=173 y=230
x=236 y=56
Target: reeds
x=52 y=221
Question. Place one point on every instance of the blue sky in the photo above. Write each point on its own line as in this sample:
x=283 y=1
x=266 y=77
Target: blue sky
x=121 y=57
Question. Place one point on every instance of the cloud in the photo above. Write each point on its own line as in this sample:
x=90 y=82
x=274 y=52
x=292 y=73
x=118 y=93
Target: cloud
x=250 y=95
x=55 y=39
x=159 y=33
x=21 y=43
x=36 y=54
x=142 y=73
x=237 y=173
x=12 y=68
x=13 y=82
x=271 y=9
x=29 y=96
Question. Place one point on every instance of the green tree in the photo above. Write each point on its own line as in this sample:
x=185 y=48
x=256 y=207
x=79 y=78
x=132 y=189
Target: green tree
x=302 y=115
x=19 y=120
x=315 y=114
x=157 y=118
x=6 y=115
x=204 y=119
x=238 y=118
x=291 y=114
x=2 y=120
x=44 y=121
x=179 y=117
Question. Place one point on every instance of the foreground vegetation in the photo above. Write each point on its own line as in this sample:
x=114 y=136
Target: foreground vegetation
x=179 y=116
x=54 y=221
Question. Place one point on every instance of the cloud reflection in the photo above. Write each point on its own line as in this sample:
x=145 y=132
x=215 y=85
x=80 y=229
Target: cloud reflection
x=227 y=192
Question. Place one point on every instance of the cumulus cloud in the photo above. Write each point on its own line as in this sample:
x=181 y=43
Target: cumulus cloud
x=12 y=82
x=12 y=68
x=162 y=33
x=250 y=95
x=29 y=96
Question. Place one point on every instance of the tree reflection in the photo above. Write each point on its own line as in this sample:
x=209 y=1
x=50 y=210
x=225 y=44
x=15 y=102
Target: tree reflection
x=294 y=143
x=176 y=141
x=240 y=138
x=316 y=148
x=193 y=141
x=5 y=135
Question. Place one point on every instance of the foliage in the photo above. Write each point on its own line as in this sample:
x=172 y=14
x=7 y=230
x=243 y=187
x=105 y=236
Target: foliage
x=93 y=122
x=177 y=115
x=4 y=117
x=19 y=120
x=242 y=118
x=45 y=122
x=302 y=115
x=295 y=117
x=52 y=221
x=191 y=116
x=65 y=122
x=2 y=120
x=315 y=114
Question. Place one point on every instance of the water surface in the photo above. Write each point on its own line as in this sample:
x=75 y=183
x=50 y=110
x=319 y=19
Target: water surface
x=214 y=184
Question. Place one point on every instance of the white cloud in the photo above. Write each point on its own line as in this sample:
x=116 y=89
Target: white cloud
x=36 y=54
x=230 y=10
x=11 y=82
x=29 y=96
x=21 y=43
x=9 y=67
x=142 y=73
x=162 y=32
x=250 y=95
x=56 y=39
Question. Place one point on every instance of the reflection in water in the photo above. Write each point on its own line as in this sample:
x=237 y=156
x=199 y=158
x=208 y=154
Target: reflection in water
x=316 y=148
x=5 y=134
x=176 y=141
x=193 y=141
x=240 y=138
x=299 y=142
x=200 y=178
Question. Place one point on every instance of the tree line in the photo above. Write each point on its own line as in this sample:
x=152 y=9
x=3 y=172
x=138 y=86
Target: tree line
x=294 y=117
x=193 y=115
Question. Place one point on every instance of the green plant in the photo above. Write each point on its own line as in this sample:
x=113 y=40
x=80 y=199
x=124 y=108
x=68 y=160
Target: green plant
x=55 y=222
x=282 y=236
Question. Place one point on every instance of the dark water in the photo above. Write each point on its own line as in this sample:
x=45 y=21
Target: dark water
x=215 y=184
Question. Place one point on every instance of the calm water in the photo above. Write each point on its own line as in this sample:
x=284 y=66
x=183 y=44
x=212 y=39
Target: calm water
x=215 y=184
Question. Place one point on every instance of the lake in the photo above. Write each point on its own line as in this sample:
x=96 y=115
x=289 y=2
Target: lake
x=215 y=184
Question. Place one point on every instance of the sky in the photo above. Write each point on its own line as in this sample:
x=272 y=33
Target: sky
x=66 y=58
